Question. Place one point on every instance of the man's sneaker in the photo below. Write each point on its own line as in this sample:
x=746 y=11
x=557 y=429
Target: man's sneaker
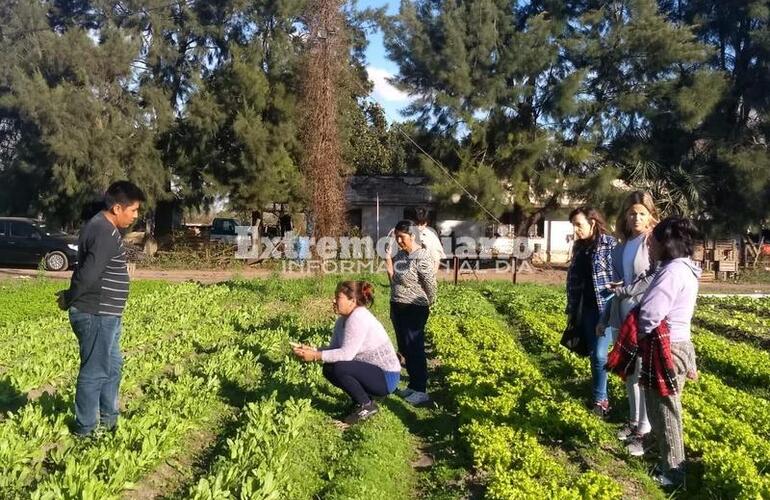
x=362 y=412
x=635 y=445
x=628 y=430
x=405 y=393
x=108 y=429
x=417 y=398
x=86 y=439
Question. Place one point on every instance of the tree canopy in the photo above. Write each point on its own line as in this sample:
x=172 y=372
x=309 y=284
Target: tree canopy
x=552 y=98
x=191 y=100
x=524 y=102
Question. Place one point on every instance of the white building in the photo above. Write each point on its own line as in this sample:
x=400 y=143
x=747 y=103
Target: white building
x=377 y=203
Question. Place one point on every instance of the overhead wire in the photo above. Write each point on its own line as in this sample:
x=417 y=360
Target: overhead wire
x=447 y=173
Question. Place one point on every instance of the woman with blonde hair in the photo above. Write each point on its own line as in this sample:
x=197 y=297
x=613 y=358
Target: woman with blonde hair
x=632 y=273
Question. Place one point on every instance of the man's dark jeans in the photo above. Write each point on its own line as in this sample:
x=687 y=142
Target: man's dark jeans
x=96 y=394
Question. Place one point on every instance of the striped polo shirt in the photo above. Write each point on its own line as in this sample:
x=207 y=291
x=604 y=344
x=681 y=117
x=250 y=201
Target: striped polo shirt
x=114 y=280
x=100 y=282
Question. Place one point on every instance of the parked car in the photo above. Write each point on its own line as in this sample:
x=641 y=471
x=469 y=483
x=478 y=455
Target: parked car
x=223 y=230
x=29 y=242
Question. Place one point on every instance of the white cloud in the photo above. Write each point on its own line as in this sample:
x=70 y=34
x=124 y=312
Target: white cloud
x=383 y=89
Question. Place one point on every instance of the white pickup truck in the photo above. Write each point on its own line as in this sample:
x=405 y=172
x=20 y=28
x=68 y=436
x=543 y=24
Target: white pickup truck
x=223 y=230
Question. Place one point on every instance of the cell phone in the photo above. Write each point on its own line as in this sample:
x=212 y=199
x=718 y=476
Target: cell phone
x=606 y=293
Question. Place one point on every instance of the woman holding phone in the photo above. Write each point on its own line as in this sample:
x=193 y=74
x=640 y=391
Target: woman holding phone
x=413 y=288
x=632 y=273
x=589 y=273
x=360 y=359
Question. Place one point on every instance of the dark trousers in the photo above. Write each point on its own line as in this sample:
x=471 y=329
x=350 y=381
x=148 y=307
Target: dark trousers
x=409 y=323
x=96 y=393
x=361 y=381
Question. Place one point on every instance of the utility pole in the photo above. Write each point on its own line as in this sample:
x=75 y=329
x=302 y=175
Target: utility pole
x=325 y=67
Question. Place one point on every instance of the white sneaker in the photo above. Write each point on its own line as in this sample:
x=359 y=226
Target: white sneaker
x=417 y=398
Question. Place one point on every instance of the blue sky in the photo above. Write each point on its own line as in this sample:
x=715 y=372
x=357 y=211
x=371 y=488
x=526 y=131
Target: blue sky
x=380 y=67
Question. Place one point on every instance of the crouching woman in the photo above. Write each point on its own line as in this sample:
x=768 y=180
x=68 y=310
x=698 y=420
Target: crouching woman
x=360 y=358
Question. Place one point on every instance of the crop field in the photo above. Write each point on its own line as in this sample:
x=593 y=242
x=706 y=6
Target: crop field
x=214 y=405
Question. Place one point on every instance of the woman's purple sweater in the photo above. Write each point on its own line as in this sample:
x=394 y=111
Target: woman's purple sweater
x=671 y=296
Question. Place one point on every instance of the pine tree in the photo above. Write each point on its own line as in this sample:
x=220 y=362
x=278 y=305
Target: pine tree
x=70 y=125
x=372 y=146
x=237 y=135
x=548 y=96
x=731 y=147
x=193 y=100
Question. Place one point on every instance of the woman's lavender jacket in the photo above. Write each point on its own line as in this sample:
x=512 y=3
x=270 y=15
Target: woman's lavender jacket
x=671 y=296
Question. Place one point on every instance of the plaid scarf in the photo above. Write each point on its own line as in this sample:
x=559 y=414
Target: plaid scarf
x=658 y=370
x=622 y=357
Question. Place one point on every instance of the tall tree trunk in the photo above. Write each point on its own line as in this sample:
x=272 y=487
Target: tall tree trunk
x=325 y=63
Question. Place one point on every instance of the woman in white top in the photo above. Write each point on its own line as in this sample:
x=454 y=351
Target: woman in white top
x=360 y=358
x=632 y=272
x=429 y=239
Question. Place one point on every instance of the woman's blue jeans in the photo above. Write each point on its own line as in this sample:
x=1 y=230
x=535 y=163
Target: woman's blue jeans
x=599 y=348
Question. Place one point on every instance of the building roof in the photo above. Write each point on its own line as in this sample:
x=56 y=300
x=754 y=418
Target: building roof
x=363 y=190
x=22 y=219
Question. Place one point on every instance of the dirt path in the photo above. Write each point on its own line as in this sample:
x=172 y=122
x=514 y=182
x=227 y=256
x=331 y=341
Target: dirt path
x=552 y=276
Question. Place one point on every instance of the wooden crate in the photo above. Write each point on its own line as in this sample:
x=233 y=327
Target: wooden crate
x=725 y=266
x=725 y=250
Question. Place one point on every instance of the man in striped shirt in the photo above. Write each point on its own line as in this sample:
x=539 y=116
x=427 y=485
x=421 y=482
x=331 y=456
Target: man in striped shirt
x=95 y=301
